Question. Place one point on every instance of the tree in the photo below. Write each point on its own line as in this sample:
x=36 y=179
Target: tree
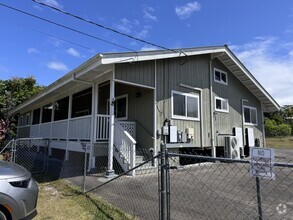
x=12 y=93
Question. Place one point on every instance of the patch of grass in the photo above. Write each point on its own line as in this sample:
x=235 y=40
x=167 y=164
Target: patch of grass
x=282 y=142
x=1 y=157
x=61 y=200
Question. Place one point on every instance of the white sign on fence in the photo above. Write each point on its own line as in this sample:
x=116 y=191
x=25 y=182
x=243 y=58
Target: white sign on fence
x=262 y=162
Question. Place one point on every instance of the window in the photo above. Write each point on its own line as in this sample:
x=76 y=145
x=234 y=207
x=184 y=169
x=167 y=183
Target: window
x=61 y=109
x=250 y=115
x=221 y=104
x=120 y=108
x=47 y=113
x=185 y=106
x=220 y=76
x=21 y=123
x=36 y=116
x=81 y=103
x=27 y=119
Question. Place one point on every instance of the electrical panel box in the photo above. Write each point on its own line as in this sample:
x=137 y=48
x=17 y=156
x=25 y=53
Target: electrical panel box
x=190 y=132
x=165 y=130
x=183 y=137
x=173 y=134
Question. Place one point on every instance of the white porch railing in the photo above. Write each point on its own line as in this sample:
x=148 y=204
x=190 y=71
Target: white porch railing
x=23 y=131
x=59 y=129
x=80 y=128
x=102 y=132
x=74 y=128
x=45 y=130
x=125 y=145
x=35 y=131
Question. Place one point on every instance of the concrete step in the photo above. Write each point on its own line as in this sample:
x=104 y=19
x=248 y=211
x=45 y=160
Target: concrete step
x=139 y=159
x=146 y=170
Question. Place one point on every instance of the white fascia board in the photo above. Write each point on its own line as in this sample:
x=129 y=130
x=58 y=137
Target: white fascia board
x=130 y=59
x=90 y=64
x=255 y=82
x=42 y=94
x=93 y=65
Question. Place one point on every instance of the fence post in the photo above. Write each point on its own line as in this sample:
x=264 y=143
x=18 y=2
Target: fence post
x=163 y=196
x=258 y=198
x=13 y=158
x=258 y=191
x=84 y=146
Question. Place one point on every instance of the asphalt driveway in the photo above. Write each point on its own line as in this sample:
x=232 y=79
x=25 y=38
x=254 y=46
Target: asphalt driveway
x=202 y=191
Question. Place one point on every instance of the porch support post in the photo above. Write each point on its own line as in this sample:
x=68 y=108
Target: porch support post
x=68 y=125
x=110 y=172
x=93 y=127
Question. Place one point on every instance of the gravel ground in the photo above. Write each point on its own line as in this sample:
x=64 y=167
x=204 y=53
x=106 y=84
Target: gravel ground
x=203 y=191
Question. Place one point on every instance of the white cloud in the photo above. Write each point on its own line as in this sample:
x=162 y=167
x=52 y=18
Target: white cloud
x=187 y=10
x=55 y=42
x=53 y=3
x=71 y=51
x=270 y=61
x=57 y=66
x=126 y=26
x=133 y=27
x=32 y=50
x=144 y=32
x=148 y=14
x=148 y=48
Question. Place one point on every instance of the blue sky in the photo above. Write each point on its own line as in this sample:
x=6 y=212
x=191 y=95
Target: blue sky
x=259 y=32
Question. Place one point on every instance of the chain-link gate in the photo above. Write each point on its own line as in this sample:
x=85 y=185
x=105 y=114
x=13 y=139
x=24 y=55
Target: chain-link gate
x=31 y=153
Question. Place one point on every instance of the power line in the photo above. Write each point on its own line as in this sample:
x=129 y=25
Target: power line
x=66 y=27
x=50 y=35
x=107 y=28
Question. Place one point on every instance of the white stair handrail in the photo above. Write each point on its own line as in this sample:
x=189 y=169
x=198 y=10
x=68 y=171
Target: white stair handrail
x=125 y=143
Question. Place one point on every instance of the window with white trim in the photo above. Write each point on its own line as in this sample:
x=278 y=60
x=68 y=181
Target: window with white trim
x=184 y=105
x=221 y=105
x=220 y=76
x=250 y=115
x=120 y=108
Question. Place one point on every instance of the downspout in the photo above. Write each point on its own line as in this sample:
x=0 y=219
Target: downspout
x=263 y=130
x=155 y=112
x=243 y=131
x=212 y=111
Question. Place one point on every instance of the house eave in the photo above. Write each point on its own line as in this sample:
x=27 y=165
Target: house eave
x=69 y=77
x=104 y=62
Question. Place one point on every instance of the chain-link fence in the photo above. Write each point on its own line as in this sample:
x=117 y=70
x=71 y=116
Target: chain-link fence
x=31 y=153
x=165 y=186
x=220 y=188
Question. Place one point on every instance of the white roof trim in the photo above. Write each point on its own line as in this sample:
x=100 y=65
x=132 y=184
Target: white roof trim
x=128 y=59
x=113 y=58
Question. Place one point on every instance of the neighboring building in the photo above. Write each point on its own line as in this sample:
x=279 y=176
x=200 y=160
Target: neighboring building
x=206 y=92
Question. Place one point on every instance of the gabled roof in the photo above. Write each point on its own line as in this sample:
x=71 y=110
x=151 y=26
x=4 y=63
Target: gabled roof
x=102 y=63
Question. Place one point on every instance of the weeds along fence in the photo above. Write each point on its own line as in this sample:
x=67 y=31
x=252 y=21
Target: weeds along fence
x=168 y=185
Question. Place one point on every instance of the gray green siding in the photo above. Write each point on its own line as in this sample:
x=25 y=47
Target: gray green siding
x=235 y=91
x=194 y=72
x=137 y=72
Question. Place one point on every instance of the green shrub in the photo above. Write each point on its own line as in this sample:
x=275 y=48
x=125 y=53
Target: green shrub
x=273 y=129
